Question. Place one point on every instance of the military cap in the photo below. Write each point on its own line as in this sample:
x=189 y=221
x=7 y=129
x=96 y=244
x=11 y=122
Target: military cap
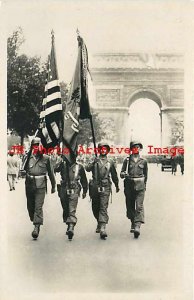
x=104 y=144
x=136 y=143
x=35 y=141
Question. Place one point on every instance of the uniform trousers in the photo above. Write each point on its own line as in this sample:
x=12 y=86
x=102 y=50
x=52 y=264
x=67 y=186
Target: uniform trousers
x=100 y=205
x=69 y=205
x=35 y=200
x=11 y=179
x=134 y=204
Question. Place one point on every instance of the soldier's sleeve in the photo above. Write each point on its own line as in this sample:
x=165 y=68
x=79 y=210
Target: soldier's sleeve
x=83 y=179
x=123 y=169
x=58 y=165
x=51 y=173
x=114 y=175
x=145 y=170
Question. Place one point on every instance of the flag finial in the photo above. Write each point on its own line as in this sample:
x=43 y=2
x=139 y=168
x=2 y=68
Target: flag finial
x=52 y=34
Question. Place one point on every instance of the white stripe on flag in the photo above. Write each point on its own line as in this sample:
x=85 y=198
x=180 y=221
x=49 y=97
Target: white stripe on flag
x=55 y=129
x=53 y=96
x=51 y=84
x=53 y=109
x=44 y=101
x=46 y=135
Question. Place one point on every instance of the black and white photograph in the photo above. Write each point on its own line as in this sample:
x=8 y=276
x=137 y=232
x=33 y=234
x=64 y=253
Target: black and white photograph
x=97 y=149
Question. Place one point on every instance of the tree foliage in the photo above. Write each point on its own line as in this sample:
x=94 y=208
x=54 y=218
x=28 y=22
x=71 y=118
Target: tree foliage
x=177 y=132
x=85 y=133
x=25 y=87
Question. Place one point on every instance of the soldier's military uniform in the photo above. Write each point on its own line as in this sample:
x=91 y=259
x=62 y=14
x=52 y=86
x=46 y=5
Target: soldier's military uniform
x=73 y=178
x=36 y=185
x=134 y=170
x=100 y=187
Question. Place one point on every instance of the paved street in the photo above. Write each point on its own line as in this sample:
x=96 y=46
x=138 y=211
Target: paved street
x=121 y=264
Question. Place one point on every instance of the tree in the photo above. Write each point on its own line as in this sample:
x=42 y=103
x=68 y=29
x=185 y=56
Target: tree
x=25 y=87
x=85 y=133
x=108 y=126
x=177 y=132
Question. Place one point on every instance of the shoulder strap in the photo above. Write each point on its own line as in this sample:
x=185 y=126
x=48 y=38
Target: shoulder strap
x=127 y=165
x=108 y=168
x=76 y=171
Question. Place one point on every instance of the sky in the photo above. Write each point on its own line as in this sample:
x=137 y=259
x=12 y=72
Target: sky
x=106 y=26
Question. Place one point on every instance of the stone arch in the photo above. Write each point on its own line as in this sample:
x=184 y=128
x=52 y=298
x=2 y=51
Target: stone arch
x=146 y=93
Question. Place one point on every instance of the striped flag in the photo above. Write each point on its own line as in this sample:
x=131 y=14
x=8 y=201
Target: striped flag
x=51 y=113
x=77 y=106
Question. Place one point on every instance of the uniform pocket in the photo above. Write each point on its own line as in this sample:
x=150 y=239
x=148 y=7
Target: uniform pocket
x=42 y=167
x=141 y=166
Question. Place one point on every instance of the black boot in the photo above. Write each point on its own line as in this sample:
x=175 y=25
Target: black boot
x=132 y=227
x=70 y=232
x=98 y=228
x=36 y=231
x=137 y=231
x=103 y=233
x=67 y=229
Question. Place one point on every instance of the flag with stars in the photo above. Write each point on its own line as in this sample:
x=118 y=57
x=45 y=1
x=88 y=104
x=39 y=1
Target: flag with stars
x=51 y=113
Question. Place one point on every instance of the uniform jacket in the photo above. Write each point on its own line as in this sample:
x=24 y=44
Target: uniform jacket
x=40 y=166
x=12 y=165
x=103 y=169
x=72 y=175
x=136 y=169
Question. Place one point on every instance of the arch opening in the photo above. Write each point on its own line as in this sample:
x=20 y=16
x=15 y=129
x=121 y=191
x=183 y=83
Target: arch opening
x=144 y=122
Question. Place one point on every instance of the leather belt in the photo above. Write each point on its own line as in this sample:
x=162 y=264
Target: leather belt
x=37 y=176
x=136 y=178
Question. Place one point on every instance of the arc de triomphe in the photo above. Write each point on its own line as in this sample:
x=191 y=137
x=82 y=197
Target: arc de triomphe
x=119 y=79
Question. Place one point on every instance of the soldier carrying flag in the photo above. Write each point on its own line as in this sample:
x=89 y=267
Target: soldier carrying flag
x=37 y=165
x=73 y=176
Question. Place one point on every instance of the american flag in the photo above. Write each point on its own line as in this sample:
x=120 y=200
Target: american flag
x=51 y=113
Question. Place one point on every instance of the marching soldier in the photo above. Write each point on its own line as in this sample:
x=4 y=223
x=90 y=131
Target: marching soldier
x=73 y=178
x=100 y=186
x=134 y=171
x=37 y=166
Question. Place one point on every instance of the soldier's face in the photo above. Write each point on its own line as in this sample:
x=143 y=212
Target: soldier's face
x=103 y=151
x=136 y=149
x=35 y=149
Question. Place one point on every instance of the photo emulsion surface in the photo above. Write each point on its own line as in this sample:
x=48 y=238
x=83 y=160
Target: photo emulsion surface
x=99 y=184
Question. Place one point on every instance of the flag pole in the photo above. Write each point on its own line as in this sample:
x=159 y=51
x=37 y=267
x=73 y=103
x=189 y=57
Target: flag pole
x=93 y=136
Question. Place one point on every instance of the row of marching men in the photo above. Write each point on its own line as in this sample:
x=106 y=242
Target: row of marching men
x=73 y=181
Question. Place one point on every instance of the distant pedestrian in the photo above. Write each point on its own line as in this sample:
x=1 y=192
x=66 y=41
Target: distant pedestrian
x=181 y=163
x=174 y=164
x=11 y=170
